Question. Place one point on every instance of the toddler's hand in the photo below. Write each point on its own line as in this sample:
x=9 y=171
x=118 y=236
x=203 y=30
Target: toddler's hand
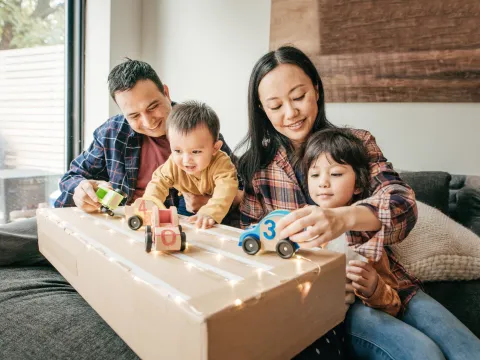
x=202 y=221
x=364 y=277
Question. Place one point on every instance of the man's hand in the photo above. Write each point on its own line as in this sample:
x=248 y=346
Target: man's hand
x=202 y=221
x=84 y=195
x=364 y=277
x=193 y=203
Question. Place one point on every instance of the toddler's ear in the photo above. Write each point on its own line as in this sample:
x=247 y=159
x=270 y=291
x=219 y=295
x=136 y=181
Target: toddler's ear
x=357 y=191
x=217 y=146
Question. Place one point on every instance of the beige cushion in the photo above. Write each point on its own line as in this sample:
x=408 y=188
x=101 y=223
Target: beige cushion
x=438 y=248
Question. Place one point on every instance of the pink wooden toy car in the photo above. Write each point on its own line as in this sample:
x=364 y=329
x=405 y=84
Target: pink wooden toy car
x=165 y=234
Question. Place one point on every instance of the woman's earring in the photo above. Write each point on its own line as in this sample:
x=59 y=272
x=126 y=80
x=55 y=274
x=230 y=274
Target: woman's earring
x=265 y=141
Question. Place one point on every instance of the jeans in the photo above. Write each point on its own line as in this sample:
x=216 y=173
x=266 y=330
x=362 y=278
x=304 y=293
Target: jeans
x=426 y=331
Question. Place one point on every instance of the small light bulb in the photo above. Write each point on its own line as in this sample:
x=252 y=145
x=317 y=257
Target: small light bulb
x=238 y=302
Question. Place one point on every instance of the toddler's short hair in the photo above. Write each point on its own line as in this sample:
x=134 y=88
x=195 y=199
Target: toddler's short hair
x=187 y=116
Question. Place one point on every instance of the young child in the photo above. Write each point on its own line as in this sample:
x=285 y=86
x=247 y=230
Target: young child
x=196 y=165
x=336 y=167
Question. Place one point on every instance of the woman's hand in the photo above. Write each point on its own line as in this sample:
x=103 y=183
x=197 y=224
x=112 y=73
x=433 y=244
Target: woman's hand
x=193 y=203
x=312 y=226
x=364 y=277
x=202 y=221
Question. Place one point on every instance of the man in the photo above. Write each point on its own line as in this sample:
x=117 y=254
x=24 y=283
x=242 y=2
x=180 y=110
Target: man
x=41 y=315
x=127 y=148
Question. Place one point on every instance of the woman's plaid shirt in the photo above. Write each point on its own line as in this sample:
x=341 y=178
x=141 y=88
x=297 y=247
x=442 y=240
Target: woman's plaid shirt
x=393 y=201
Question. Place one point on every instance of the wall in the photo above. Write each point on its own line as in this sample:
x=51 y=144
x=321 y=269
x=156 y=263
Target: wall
x=206 y=50
x=113 y=31
x=417 y=136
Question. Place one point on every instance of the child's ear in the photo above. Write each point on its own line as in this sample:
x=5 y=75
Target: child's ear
x=217 y=146
x=357 y=191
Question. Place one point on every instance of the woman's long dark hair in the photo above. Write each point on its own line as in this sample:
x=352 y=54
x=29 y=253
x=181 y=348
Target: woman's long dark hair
x=258 y=154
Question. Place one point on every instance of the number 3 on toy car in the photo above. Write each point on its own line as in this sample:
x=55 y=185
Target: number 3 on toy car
x=271 y=229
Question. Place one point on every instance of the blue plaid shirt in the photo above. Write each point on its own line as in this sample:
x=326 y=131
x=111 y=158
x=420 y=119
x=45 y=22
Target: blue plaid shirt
x=113 y=156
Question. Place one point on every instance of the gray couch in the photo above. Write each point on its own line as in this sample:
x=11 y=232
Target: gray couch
x=43 y=317
x=458 y=196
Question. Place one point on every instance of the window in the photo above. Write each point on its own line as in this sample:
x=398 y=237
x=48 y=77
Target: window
x=32 y=110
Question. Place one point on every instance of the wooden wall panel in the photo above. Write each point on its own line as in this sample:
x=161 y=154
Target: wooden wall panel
x=386 y=50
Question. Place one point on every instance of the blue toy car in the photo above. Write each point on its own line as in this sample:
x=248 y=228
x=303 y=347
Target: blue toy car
x=264 y=235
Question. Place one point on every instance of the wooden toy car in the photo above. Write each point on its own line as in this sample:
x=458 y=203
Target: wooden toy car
x=109 y=199
x=165 y=234
x=263 y=235
x=139 y=213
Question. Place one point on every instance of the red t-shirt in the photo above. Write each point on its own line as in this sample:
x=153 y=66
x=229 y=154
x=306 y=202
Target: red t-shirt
x=155 y=151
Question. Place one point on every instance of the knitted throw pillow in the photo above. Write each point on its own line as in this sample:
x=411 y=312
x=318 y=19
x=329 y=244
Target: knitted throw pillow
x=438 y=248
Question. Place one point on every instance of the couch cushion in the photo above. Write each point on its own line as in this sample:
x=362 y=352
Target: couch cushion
x=438 y=248
x=43 y=317
x=468 y=208
x=431 y=187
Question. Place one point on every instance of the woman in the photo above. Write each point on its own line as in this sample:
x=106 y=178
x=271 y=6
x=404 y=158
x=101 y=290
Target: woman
x=286 y=105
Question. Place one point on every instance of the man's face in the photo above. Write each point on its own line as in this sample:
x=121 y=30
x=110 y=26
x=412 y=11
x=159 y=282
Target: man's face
x=145 y=107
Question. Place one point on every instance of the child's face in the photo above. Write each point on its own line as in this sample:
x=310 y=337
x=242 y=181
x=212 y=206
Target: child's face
x=331 y=184
x=193 y=152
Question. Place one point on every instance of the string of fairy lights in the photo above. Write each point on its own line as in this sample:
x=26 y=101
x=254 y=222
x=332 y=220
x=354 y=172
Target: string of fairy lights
x=163 y=288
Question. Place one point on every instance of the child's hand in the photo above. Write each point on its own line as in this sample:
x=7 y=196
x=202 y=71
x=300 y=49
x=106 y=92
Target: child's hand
x=193 y=203
x=202 y=221
x=364 y=277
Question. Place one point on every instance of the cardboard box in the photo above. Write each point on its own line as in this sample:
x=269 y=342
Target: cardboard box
x=212 y=301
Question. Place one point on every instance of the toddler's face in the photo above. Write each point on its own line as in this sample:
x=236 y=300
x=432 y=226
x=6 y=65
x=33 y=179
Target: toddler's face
x=193 y=152
x=331 y=184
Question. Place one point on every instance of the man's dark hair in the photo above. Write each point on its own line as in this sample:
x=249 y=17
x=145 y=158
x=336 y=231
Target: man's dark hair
x=126 y=75
x=344 y=148
x=189 y=115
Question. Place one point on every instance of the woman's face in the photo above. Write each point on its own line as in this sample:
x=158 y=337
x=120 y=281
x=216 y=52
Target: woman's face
x=289 y=99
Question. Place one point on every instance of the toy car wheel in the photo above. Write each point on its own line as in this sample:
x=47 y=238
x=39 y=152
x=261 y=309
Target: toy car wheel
x=251 y=245
x=183 y=244
x=121 y=192
x=103 y=209
x=148 y=238
x=110 y=212
x=285 y=249
x=134 y=222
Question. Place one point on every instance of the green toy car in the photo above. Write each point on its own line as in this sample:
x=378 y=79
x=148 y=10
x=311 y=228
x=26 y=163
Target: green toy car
x=109 y=199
